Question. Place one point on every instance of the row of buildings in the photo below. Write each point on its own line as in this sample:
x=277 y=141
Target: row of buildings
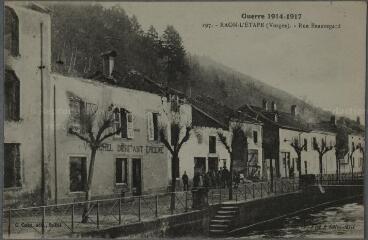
x=41 y=155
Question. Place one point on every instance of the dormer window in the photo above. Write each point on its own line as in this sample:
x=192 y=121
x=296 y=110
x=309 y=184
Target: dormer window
x=11 y=31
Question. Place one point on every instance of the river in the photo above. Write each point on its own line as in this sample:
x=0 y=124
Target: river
x=341 y=221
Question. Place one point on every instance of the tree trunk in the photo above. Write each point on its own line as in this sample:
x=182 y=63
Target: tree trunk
x=174 y=160
x=320 y=166
x=231 y=178
x=337 y=168
x=299 y=165
x=352 y=166
x=271 y=173
x=88 y=186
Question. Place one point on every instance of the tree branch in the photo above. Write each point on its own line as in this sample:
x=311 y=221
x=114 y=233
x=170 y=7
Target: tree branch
x=80 y=136
x=105 y=125
x=223 y=141
x=185 y=138
x=118 y=131
x=165 y=142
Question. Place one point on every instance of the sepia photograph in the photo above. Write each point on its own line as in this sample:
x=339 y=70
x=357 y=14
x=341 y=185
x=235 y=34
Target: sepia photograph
x=133 y=120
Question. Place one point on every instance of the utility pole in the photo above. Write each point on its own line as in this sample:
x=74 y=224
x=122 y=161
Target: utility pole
x=41 y=67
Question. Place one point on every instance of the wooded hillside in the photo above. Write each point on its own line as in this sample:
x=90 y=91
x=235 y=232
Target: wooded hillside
x=81 y=32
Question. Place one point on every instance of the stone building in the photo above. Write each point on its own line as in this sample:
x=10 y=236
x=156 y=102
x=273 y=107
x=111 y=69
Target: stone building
x=352 y=141
x=205 y=152
x=132 y=162
x=43 y=161
x=286 y=133
x=280 y=129
x=27 y=54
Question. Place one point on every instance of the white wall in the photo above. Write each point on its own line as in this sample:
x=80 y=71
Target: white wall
x=345 y=165
x=310 y=156
x=27 y=130
x=198 y=146
x=139 y=103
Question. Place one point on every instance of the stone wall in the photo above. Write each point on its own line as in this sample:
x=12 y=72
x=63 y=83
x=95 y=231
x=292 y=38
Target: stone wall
x=251 y=214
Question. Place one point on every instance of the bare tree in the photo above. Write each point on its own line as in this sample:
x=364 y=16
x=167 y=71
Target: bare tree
x=174 y=146
x=298 y=147
x=239 y=140
x=95 y=128
x=322 y=149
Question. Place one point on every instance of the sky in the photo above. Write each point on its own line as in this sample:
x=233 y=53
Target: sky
x=325 y=67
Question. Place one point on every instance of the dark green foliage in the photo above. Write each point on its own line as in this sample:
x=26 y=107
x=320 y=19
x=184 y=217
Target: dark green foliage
x=82 y=31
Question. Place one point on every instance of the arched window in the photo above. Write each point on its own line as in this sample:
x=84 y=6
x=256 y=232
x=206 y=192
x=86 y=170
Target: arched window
x=11 y=31
x=12 y=96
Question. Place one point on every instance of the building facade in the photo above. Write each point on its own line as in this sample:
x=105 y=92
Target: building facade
x=132 y=162
x=353 y=160
x=27 y=67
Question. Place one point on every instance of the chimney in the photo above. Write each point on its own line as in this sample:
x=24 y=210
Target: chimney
x=358 y=120
x=333 y=120
x=273 y=106
x=265 y=105
x=108 y=62
x=293 y=110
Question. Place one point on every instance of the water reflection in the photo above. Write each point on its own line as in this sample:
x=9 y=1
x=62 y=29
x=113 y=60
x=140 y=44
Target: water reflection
x=344 y=221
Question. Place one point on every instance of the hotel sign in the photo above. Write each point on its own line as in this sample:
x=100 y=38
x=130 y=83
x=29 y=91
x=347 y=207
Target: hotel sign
x=130 y=148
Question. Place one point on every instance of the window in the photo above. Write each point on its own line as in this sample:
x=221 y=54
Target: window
x=12 y=176
x=174 y=103
x=305 y=144
x=314 y=143
x=155 y=126
x=124 y=120
x=12 y=96
x=255 y=137
x=11 y=31
x=306 y=167
x=78 y=174
x=152 y=124
x=76 y=107
x=323 y=141
x=286 y=162
x=296 y=141
x=212 y=144
x=252 y=157
x=121 y=171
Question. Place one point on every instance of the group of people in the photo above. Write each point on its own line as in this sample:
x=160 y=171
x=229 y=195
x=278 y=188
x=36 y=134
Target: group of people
x=211 y=179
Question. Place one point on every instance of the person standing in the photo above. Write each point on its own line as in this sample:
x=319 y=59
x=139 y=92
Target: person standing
x=185 y=180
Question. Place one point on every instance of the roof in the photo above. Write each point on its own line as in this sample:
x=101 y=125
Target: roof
x=215 y=113
x=284 y=120
x=324 y=126
x=134 y=80
x=38 y=7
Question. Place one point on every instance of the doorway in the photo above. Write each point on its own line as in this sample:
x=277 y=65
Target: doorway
x=136 y=176
x=213 y=164
x=200 y=165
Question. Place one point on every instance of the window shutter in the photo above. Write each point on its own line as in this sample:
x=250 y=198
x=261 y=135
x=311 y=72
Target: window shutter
x=150 y=129
x=117 y=122
x=130 y=126
x=75 y=108
x=124 y=123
